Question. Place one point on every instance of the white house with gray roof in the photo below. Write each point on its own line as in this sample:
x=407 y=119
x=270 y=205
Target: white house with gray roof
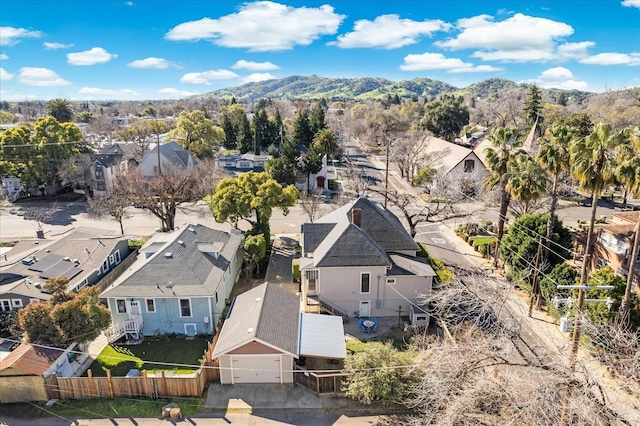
x=172 y=155
x=360 y=261
x=265 y=332
x=178 y=284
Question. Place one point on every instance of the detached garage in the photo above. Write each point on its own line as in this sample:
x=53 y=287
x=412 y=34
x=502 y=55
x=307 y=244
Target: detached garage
x=259 y=339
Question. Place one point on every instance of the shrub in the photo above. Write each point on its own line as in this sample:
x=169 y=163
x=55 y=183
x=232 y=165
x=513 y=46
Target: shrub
x=295 y=270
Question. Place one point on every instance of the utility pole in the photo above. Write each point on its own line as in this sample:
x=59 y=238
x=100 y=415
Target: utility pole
x=534 y=285
x=386 y=176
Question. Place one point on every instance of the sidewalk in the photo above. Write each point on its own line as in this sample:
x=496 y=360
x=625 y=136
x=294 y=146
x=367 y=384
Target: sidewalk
x=549 y=332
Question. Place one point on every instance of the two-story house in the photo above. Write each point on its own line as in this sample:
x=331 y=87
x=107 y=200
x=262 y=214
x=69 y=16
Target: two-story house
x=234 y=161
x=179 y=283
x=613 y=245
x=105 y=168
x=360 y=261
x=171 y=155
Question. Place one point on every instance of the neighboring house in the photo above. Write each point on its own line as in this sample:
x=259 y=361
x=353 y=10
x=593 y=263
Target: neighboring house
x=85 y=256
x=265 y=332
x=178 y=284
x=10 y=187
x=359 y=260
x=233 y=160
x=456 y=164
x=317 y=181
x=172 y=156
x=613 y=245
x=22 y=372
x=105 y=168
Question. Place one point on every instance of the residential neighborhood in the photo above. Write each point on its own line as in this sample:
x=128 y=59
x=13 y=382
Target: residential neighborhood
x=391 y=214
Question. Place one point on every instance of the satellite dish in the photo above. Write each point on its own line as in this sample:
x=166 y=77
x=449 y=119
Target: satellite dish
x=170 y=285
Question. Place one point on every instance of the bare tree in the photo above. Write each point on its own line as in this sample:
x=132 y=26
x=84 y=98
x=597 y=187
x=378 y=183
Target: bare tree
x=114 y=205
x=76 y=172
x=41 y=214
x=312 y=205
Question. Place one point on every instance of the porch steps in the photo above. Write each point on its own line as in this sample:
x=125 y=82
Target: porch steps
x=326 y=306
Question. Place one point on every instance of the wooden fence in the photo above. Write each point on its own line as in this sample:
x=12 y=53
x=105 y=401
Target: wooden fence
x=22 y=388
x=320 y=383
x=149 y=386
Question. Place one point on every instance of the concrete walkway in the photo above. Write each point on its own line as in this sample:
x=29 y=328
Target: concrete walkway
x=95 y=347
x=283 y=251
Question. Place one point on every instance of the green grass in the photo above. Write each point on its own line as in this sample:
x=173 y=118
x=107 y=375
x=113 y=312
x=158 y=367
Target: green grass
x=146 y=356
x=480 y=241
x=110 y=407
x=355 y=346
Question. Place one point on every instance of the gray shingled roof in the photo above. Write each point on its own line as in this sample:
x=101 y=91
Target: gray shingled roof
x=173 y=153
x=379 y=223
x=313 y=234
x=403 y=265
x=348 y=245
x=107 y=160
x=191 y=271
x=266 y=313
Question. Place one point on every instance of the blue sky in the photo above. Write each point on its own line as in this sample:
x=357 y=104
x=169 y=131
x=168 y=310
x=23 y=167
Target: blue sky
x=134 y=50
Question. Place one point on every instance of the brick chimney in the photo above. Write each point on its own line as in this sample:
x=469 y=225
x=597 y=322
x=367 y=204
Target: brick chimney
x=356 y=217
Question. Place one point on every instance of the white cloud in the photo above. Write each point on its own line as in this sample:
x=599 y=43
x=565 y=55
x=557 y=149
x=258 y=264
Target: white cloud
x=172 y=92
x=519 y=38
x=55 y=46
x=95 y=55
x=108 y=92
x=129 y=3
x=10 y=35
x=206 y=76
x=612 y=58
x=4 y=75
x=558 y=78
x=574 y=50
x=41 y=77
x=631 y=3
x=437 y=61
x=254 y=66
x=3 y=57
x=389 y=32
x=258 y=76
x=151 y=62
x=262 y=26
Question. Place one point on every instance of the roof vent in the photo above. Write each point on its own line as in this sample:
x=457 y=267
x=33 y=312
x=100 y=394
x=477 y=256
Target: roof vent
x=170 y=285
x=76 y=261
x=181 y=242
x=192 y=229
x=48 y=250
x=67 y=258
x=37 y=285
x=168 y=255
x=258 y=299
x=250 y=329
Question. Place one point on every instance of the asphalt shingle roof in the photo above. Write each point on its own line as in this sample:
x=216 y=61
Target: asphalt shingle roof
x=313 y=234
x=349 y=245
x=191 y=271
x=173 y=153
x=266 y=313
x=403 y=265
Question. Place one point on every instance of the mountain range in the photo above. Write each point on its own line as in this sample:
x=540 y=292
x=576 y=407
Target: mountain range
x=317 y=87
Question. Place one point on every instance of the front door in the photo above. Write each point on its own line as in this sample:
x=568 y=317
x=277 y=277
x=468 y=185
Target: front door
x=365 y=309
x=134 y=311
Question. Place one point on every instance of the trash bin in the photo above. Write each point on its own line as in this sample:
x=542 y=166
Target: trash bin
x=564 y=324
x=40 y=234
x=134 y=372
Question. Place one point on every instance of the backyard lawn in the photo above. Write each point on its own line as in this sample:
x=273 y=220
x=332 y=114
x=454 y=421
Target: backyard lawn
x=482 y=240
x=151 y=355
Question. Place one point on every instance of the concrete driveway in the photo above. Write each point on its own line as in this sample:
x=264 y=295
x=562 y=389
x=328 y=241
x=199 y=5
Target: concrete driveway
x=283 y=251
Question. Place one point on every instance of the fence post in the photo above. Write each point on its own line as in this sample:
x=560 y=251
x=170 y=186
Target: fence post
x=109 y=383
x=90 y=380
x=164 y=385
x=145 y=383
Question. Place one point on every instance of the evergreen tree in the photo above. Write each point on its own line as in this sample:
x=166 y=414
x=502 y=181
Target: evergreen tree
x=302 y=133
x=533 y=106
x=316 y=120
x=230 y=132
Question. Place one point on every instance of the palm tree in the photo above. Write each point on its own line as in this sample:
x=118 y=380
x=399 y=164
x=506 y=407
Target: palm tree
x=593 y=163
x=526 y=180
x=506 y=143
x=326 y=140
x=554 y=159
x=60 y=109
x=629 y=173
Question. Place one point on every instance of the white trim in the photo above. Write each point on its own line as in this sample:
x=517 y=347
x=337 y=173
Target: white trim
x=211 y=318
x=18 y=304
x=195 y=328
x=146 y=305
x=360 y=302
x=116 y=254
x=180 y=308
x=118 y=306
x=391 y=281
x=256 y=340
x=231 y=356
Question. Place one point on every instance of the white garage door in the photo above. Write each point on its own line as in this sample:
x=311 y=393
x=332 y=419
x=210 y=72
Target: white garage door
x=256 y=369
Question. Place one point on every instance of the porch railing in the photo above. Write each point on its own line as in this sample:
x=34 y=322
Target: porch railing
x=120 y=329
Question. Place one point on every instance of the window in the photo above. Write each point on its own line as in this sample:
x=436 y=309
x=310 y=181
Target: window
x=105 y=266
x=216 y=297
x=112 y=259
x=365 y=282
x=469 y=165
x=151 y=305
x=100 y=186
x=185 y=307
x=602 y=262
x=312 y=279
x=5 y=304
x=638 y=256
x=116 y=255
x=17 y=303
x=122 y=306
x=99 y=171
x=391 y=281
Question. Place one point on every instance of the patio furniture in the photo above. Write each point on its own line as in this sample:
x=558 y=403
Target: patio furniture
x=369 y=325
